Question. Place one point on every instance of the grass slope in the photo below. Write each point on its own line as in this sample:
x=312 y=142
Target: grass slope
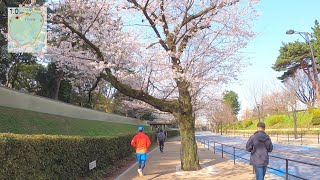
x=28 y=122
x=280 y=121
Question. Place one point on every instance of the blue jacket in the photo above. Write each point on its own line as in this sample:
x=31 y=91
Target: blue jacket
x=259 y=144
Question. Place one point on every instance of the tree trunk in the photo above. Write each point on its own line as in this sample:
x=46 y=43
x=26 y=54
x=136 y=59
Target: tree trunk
x=56 y=88
x=295 y=123
x=317 y=93
x=221 y=128
x=14 y=71
x=188 y=152
x=217 y=128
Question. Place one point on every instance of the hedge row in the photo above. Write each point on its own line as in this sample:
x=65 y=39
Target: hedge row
x=61 y=157
x=173 y=133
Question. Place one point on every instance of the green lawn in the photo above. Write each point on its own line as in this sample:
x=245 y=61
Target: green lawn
x=29 y=122
x=280 y=121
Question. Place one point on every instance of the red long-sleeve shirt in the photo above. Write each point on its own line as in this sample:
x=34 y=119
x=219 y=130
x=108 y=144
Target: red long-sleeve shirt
x=141 y=142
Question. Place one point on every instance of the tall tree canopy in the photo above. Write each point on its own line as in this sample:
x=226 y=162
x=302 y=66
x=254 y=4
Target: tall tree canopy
x=231 y=99
x=297 y=56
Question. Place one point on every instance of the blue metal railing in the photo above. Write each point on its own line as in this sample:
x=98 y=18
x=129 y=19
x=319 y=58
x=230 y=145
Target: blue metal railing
x=234 y=155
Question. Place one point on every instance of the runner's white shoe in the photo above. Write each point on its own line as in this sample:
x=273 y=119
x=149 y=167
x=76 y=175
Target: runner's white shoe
x=140 y=172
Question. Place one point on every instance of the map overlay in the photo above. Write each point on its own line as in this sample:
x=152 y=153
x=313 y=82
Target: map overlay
x=27 y=30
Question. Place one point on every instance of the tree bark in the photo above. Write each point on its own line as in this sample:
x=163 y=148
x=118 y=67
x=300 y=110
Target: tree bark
x=57 y=82
x=184 y=115
x=317 y=93
x=188 y=151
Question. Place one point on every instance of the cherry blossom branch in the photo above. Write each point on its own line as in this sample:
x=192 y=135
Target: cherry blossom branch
x=151 y=22
x=95 y=19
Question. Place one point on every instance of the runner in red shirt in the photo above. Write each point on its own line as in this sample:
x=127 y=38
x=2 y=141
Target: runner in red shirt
x=141 y=142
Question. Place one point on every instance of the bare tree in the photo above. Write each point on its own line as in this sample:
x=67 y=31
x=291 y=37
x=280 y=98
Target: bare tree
x=222 y=114
x=273 y=103
x=302 y=88
x=254 y=96
x=247 y=113
x=290 y=99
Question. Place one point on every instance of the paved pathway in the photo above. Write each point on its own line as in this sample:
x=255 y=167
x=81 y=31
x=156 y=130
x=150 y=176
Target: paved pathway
x=167 y=166
x=300 y=153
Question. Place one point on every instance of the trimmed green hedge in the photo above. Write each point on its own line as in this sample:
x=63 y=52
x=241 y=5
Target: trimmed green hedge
x=173 y=133
x=61 y=157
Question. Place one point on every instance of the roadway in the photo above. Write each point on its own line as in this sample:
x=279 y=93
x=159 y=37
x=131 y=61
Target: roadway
x=295 y=152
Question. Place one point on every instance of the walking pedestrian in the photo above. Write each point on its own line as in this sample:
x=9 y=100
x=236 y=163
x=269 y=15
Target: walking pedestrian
x=141 y=143
x=161 y=137
x=259 y=144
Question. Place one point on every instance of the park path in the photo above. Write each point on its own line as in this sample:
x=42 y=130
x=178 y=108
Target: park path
x=166 y=165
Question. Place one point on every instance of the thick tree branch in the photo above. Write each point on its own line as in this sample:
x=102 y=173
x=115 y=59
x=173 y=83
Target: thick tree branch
x=162 y=105
x=163 y=19
x=83 y=37
x=146 y=5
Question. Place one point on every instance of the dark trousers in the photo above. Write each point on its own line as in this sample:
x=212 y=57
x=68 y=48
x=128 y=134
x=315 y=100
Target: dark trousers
x=161 y=144
x=260 y=172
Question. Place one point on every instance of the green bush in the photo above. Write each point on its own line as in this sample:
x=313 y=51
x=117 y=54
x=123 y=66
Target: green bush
x=314 y=111
x=173 y=133
x=274 y=120
x=246 y=123
x=315 y=120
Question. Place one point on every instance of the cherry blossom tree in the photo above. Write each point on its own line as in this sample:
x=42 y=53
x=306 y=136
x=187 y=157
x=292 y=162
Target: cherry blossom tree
x=168 y=54
x=220 y=114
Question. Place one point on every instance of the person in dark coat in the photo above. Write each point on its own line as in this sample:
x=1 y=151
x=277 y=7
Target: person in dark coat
x=161 y=137
x=259 y=144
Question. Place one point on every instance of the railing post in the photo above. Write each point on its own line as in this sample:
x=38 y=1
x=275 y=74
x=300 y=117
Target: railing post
x=214 y=147
x=208 y=144
x=234 y=155
x=204 y=143
x=287 y=169
x=222 y=150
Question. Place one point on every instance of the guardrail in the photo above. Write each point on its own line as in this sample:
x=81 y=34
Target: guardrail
x=286 y=173
x=285 y=136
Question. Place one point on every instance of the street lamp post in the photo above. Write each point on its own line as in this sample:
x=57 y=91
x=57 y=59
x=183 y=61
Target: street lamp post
x=305 y=36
